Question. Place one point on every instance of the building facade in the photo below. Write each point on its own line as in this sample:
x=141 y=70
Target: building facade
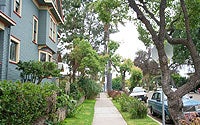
x=28 y=31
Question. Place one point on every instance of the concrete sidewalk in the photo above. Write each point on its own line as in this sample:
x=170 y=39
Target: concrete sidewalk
x=106 y=113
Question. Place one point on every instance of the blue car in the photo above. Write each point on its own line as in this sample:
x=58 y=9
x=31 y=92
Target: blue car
x=155 y=105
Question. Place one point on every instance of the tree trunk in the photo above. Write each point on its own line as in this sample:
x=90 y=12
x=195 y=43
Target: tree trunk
x=109 y=77
x=123 y=81
x=175 y=105
x=174 y=98
x=108 y=67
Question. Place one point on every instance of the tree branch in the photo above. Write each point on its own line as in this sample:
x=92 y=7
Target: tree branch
x=162 y=20
x=143 y=19
x=187 y=26
x=175 y=41
x=150 y=13
x=190 y=45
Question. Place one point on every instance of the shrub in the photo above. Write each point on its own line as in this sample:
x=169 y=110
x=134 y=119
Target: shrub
x=90 y=87
x=24 y=103
x=125 y=102
x=75 y=91
x=114 y=94
x=36 y=71
x=136 y=108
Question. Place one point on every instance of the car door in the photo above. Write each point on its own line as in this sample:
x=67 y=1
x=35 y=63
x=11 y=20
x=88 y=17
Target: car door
x=154 y=102
x=159 y=104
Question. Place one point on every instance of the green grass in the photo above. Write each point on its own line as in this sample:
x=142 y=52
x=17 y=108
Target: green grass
x=84 y=116
x=129 y=121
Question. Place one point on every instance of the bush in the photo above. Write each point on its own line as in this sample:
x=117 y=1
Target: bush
x=72 y=108
x=117 y=83
x=114 y=94
x=36 y=71
x=24 y=103
x=90 y=87
x=125 y=102
x=75 y=91
x=136 y=108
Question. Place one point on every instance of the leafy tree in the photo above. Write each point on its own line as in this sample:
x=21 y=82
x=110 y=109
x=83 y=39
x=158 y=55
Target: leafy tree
x=125 y=67
x=148 y=66
x=178 y=79
x=122 y=66
x=136 y=77
x=35 y=71
x=161 y=18
x=80 y=23
x=85 y=58
x=117 y=83
x=110 y=13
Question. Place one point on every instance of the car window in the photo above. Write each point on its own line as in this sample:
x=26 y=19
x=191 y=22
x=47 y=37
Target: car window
x=154 y=96
x=159 y=96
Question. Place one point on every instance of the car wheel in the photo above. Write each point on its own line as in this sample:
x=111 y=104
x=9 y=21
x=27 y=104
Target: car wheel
x=167 y=119
x=152 y=112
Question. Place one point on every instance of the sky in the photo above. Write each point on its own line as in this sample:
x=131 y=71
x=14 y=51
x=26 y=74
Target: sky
x=127 y=37
x=130 y=44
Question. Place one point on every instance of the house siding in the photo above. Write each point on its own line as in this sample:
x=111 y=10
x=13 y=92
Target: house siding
x=44 y=25
x=23 y=32
x=4 y=45
x=5 y=6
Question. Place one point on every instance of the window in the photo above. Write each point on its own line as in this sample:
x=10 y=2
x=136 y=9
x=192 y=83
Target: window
x=45 y=56
x=52 y=30
x=14 y=49
x=35 y=29
x=17 y=7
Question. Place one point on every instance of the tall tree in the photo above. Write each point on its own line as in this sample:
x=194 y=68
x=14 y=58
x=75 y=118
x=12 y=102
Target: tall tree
x=158 y=18
x=150 y=68
x=110 y=13
x=122 y=66
x=85 y=58
x=81 y=23
x=136 y=77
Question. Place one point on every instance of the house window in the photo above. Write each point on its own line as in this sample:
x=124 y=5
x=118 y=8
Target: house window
x=17 y=7
x=52 y=30
x=35 y=29
x=45 y=56
x=14 y=50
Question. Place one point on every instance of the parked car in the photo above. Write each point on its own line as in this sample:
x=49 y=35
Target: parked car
x=140 y=93
x=155 y=105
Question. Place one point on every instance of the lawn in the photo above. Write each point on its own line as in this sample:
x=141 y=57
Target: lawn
x=84 y=116
x=129 y=121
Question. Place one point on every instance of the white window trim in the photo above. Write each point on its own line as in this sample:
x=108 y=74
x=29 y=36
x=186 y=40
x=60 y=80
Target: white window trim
x=14 y=39
x=53 y=33
x=47 y=56
x=36 y=40
x=20 y=9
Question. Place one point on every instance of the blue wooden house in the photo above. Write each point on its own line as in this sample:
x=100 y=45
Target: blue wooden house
x=28 y=31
